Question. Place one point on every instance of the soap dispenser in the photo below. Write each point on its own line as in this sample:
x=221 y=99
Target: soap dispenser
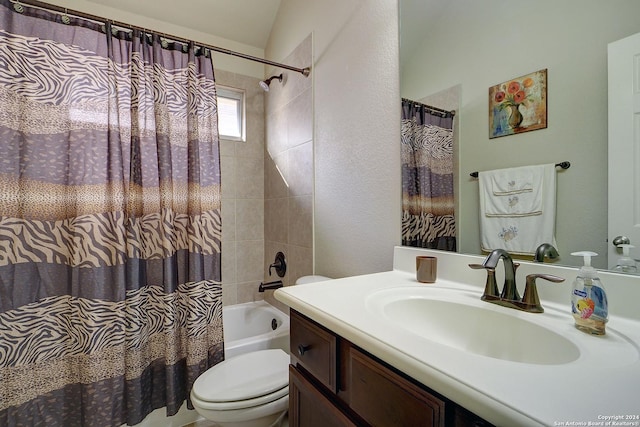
x=588 y=298
x=626 y=264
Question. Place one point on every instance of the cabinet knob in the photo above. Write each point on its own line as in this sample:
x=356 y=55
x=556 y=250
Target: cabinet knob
x=302 y=349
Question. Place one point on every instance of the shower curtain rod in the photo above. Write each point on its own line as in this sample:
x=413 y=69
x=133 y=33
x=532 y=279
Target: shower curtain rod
x=66 y=12
x=432 y=109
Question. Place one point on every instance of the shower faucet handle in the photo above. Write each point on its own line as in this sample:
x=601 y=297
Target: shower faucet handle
x=280 y=265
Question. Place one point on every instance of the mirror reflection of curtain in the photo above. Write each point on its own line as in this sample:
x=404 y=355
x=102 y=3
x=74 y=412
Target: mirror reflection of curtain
x=428 y=219
x=110 y=229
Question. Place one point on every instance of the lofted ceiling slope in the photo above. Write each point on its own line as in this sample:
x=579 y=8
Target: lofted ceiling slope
x=245 y=21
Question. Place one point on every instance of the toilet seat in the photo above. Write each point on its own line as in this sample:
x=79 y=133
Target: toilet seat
x=244 y=381
x=243 y=404
x=269 y=412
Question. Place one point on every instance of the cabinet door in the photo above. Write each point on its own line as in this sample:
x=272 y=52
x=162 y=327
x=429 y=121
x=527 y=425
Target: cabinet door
x=464 y=418
x=314 y=348
x=308 y=407
x=384 y=398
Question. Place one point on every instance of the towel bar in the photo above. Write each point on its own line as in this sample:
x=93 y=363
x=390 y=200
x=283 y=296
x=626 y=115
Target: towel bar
x=563 y=165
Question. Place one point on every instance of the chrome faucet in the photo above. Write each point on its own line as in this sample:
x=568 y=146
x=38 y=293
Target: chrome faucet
x=509 y=296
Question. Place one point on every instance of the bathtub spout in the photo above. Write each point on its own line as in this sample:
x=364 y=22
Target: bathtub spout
x=270 y=285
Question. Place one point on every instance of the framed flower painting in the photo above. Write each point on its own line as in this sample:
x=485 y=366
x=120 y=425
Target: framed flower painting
x=518 y=105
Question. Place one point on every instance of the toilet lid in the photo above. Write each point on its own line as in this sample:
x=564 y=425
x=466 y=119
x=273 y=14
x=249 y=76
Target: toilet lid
x=244 y=377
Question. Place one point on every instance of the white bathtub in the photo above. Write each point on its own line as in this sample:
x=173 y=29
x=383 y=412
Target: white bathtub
x=249 y=327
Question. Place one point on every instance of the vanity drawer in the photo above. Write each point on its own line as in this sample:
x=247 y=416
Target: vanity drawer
x=309 y=407
x=396 y=400
x=314 y=349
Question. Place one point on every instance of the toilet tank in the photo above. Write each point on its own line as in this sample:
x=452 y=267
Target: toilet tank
x=311 y=279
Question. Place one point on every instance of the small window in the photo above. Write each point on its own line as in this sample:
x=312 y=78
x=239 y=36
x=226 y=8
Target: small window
x=231 y=122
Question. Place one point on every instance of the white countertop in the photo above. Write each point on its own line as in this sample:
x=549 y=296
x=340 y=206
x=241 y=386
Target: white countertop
x=603 y=382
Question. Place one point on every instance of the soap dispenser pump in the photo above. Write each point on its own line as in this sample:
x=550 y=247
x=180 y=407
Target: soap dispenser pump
x=626 y=264
x=588 y=298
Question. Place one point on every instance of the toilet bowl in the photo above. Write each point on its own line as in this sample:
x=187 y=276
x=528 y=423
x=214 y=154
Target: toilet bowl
x=249 y=390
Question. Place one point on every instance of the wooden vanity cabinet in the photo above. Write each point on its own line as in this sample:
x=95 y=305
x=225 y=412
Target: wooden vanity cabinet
x=310 y=407
x=315 y=348
x=334 y=383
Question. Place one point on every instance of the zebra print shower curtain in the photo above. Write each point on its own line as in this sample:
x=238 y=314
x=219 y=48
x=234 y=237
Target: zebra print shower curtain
x=110 y=229
x=428 y=219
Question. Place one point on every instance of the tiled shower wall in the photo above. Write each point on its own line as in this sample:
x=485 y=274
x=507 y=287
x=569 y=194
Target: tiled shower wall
x=288 y=170
x=242 y=165
x=267 y=183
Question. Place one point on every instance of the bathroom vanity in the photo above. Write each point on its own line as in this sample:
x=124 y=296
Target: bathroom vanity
x=383 y=349
x=332 y=382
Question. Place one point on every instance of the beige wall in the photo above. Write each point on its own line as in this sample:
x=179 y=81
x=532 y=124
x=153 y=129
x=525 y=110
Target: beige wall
x=356 y=111
x=242 y=165
x=288 y=167
x=480 y=44
x=267 y=183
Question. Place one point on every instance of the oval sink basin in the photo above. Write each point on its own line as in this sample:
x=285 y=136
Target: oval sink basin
x=475 y=329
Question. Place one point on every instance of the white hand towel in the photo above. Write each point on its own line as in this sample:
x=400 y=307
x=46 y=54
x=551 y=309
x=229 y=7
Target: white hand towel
x=519 y=202
x=520 y=234
x=513 y=180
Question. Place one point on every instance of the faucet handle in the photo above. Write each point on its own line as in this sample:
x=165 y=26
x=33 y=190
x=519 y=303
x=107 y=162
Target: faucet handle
x=490 y=287
x=530 y=298
x=280 y=265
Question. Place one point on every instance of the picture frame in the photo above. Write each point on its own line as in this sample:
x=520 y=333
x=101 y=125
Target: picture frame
x=518 y=105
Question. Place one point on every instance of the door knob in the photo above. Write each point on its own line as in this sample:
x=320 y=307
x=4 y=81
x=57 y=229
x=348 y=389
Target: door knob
x=621 y=240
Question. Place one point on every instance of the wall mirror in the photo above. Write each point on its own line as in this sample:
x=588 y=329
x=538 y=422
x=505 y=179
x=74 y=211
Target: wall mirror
x=465 y=47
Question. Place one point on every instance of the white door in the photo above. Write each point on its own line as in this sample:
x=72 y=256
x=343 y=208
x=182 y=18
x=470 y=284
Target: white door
x=624 y=144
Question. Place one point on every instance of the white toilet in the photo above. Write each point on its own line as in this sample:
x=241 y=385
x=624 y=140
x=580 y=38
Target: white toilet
x=249 y=390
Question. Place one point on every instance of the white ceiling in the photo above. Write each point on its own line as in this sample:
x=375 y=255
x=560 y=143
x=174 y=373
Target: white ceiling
x=245 y=21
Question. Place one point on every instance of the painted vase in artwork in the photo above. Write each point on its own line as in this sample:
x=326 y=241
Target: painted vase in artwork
x=515 y=119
